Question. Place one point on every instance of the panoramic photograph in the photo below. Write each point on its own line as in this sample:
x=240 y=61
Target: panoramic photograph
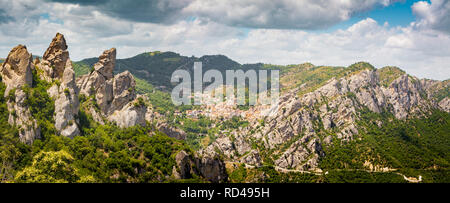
x=224 y=91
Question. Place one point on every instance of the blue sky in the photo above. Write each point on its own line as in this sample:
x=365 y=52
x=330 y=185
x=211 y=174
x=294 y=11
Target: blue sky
x=333 y=32
x=396 y=14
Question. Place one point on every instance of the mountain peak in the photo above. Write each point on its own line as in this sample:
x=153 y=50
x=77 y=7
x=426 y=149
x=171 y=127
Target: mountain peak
x=57 y=55
x=16 y=70
x=106 y=63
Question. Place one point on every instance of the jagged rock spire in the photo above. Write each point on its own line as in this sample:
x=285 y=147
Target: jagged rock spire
x=57 y=55
x=16 y=70
x=114 y=95
x=106 y=63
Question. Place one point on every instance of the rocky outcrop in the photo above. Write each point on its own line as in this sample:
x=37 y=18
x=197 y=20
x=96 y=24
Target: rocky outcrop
x=56 y=68
x=292 y=133
x=211 y=169
x=16 y=73
x=133 y=113
x=67 y=105
x=444 y=104
x=20 y=116
x=106 y=63
x=96 y=82
x=115 y=95
x=163 y=125
x=123 y=91
x=183 y=166
x=116 y=98
x=55 y=58
x=171 y=131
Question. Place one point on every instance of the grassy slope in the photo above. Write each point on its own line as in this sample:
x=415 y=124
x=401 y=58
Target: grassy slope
x=308 y=77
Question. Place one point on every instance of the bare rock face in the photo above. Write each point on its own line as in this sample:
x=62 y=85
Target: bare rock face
x=20 y=116
x=211 y=169
x=445 y=104
x=133 y=113
x=106 y=63
x=55 y=58
x=16 y=73
x=183 y=161
x=123 y=88
x=336 y=107
x=252 y=158
x=111 y=92
x=57 y=66
x=171 y=131
x=67 y=105
x=163 y=125
x=115 y=95
x=404 y=94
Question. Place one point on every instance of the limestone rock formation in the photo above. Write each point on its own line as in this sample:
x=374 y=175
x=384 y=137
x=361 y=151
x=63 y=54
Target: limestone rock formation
x=55 y=58
x=56 y=68
x=183 y=162
x=106 y=63
x=16 y=72
x=67 y=105
x=123 y=91
x=115 y=95
x=335 y=106
x=17 y=69
x=445 y=104
x=133 y=113
x=171 y=131
x=212 y=169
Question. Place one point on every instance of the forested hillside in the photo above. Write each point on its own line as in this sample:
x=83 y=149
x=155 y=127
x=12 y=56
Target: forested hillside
x=112 y=120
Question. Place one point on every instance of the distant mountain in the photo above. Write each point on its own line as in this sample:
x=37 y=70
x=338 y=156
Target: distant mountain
x=339 y=124
x=157 y=67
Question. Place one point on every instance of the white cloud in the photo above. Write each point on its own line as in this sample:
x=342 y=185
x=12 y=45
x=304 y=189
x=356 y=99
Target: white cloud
x=434 y=15
x=421 y=50
x=284 y=14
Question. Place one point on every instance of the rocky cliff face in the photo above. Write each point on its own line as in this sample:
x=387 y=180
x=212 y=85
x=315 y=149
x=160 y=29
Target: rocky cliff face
x=55 y=58
x=17 y=69
x=16 y=73
x=292 y=134
x=116 y=98
x=212 y=169
x=56 y=68
x=115 y=95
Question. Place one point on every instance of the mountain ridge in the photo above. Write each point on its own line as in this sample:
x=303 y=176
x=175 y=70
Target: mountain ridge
x=333 y=124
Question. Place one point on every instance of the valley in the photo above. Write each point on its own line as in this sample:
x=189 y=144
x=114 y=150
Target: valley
x=112 y=120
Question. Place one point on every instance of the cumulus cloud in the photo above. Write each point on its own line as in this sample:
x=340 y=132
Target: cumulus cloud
x=280 y=14
x=434 y=15
x=150 y=11
x=422 y=49
x=423 y=53
x=4 y=18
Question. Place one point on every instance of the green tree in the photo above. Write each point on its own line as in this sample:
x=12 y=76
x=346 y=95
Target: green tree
x=52 y=167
